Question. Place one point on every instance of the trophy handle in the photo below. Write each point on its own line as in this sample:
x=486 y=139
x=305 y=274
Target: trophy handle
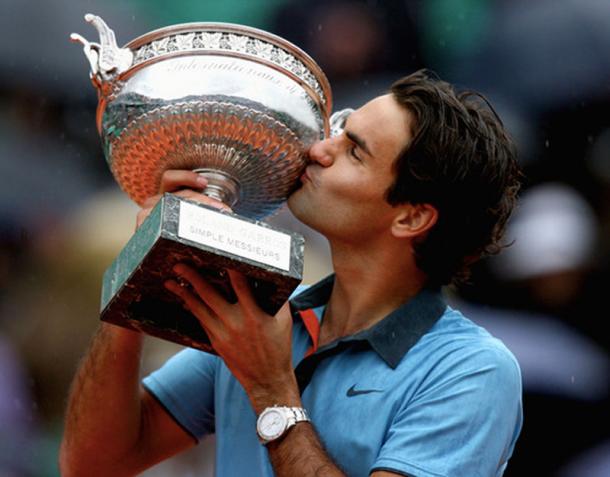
x=337 y=121
x=106 y=59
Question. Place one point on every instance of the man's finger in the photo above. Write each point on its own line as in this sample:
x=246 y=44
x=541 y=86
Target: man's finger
x=206 y=292
x=242 y=289
x=151 y=201
x=174 y=179
x=147 y=207
x=198 y=308
x=142 y=216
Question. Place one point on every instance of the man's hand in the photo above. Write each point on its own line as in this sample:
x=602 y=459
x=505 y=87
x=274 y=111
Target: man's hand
x=182 y=183
x=255 y=346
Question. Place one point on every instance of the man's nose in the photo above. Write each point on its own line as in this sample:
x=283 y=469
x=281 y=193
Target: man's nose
x=323 y=152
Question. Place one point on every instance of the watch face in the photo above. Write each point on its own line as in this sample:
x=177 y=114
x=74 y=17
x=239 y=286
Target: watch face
x=272 y=424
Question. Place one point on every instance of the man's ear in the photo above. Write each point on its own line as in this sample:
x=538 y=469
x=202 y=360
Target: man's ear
x=414 y=221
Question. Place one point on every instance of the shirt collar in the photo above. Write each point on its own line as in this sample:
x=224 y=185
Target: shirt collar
x=394 y=335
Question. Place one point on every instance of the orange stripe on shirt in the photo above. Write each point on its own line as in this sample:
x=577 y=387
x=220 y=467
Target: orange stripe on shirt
x=313 y=328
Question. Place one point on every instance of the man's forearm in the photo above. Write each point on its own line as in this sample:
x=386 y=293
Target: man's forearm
x=301 y=454
x=103 y=415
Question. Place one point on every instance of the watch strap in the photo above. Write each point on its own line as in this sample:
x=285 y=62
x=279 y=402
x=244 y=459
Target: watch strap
x=298 y=414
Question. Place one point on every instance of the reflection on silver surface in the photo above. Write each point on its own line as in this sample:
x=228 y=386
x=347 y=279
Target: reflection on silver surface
x=338 y=120
x=237 y=104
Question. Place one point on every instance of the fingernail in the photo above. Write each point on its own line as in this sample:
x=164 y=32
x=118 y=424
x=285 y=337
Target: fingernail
x=202 y=181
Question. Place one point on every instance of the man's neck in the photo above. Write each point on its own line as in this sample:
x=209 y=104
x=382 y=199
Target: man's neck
x=370 y=282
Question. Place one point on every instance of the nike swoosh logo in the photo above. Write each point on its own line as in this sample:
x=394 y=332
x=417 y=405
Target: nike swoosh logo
x=355 y=392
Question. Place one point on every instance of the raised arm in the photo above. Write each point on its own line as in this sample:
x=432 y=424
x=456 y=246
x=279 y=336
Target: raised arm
x=113 y=426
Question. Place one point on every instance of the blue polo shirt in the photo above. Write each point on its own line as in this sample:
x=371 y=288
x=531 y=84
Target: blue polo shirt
x=423 y=392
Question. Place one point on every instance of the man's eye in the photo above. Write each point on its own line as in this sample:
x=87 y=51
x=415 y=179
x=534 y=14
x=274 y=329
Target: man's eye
x=352 y=151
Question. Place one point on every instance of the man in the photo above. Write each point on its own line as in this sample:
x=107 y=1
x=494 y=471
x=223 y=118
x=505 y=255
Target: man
x=418 y=186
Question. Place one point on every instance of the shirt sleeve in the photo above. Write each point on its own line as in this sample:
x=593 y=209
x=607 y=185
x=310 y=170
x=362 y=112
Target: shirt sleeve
x=184 y=386
x=464 y=419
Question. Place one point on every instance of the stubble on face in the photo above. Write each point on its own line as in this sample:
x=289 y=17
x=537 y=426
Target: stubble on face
x=348 y=196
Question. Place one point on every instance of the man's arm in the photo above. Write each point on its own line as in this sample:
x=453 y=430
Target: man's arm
x=301 y=453
x=112 y=426
x=256 y=348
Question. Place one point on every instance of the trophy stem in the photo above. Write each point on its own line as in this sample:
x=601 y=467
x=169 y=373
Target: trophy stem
x=221 y=186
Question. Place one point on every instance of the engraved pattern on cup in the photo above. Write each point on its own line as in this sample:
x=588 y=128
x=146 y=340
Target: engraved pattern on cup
x=218 y=97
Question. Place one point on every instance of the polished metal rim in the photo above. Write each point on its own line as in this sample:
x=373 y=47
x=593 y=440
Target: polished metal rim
x=235 y=40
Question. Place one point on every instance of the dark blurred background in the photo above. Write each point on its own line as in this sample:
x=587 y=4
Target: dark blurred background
x=544 y=65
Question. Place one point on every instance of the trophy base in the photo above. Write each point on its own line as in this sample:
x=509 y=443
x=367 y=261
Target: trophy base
x=181 y=231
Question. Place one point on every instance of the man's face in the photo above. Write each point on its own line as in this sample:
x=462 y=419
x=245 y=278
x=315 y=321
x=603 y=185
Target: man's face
x=343 y=191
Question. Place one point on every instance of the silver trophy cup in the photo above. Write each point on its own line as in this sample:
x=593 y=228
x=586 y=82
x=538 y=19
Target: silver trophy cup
x=239 y=106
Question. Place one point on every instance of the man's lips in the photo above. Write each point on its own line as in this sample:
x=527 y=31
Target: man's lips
x=307 y=176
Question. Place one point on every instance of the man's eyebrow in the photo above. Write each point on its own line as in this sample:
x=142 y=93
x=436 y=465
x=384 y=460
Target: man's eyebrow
x=359 y=141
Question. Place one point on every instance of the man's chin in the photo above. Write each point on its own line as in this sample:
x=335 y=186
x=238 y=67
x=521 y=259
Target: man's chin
x=298 y=206
x=295 y=197
x=293 y=203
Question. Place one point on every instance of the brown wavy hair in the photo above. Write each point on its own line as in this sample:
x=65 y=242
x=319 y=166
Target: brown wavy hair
x=462 y=161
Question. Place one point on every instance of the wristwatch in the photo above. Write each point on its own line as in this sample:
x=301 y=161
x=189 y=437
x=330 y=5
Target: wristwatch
x=274 y=421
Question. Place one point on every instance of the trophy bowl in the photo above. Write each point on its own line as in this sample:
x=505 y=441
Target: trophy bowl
x=239 y=106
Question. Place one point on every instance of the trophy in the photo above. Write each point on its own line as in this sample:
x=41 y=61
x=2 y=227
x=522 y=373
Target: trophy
x=237 y=105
